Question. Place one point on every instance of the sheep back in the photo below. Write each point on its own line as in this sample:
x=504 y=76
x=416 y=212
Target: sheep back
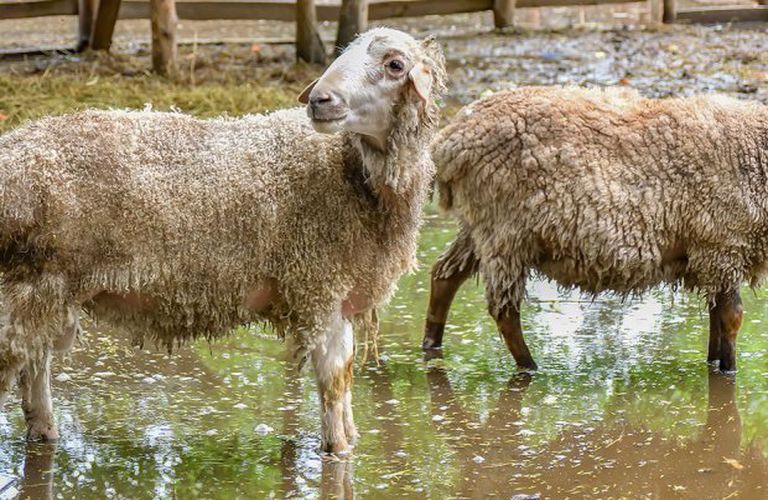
x=606 y=190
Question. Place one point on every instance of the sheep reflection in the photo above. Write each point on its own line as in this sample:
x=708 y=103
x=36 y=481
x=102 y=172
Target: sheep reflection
x=615 y=458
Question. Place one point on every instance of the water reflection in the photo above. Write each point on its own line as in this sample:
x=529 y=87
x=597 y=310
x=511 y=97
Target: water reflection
x=37 y=481
x=613 y=458
x=622 y=406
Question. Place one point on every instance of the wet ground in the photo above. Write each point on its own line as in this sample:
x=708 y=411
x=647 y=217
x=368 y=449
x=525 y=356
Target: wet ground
x=623 y=404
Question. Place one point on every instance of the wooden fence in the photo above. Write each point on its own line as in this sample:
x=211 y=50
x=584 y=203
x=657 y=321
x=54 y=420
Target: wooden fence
x=98 y=17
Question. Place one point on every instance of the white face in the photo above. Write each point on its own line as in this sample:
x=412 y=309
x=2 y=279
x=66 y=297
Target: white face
x=357 y=92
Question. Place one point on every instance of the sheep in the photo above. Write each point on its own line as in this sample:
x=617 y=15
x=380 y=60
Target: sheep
x=175 y=228
x=604 y=190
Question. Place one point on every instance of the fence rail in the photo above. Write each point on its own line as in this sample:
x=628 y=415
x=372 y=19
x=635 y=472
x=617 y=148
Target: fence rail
x=281 y=10
x=98 y=16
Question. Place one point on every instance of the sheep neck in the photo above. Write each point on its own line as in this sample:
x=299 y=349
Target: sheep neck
x=403 y=164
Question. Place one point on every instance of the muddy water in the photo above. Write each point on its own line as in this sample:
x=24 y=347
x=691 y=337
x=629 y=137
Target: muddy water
x=623 y=406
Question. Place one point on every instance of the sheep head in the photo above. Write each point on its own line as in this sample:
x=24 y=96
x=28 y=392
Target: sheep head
x=380 y=71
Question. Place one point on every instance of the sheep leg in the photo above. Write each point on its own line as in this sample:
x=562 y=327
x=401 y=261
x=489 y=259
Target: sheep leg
x=35 y=386
x=13 y=356
x=713 y=352
x=450 y=271
x=728 y=313
x=332 y=360
x=511 y=330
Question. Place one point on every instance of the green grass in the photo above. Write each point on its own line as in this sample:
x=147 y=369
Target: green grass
x=210 y=84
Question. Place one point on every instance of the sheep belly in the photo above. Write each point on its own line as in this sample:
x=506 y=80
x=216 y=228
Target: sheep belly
x=627 y=273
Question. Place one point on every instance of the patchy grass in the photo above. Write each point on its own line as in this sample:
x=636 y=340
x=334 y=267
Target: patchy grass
x=210 y=84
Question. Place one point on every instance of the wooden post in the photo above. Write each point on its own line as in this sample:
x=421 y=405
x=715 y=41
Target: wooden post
x=504 y=13
x=104 y=24
x=309 y=45
x=353 y=20
x=163 y=22
x=655 y=13
x=670 y=12
x=85 y=13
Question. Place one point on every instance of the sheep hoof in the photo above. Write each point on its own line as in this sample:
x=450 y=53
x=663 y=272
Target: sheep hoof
x=42 y=433
x=429 y=344
x=726 y=369
x=433 y=335
x=337 y=452
x=527 y=367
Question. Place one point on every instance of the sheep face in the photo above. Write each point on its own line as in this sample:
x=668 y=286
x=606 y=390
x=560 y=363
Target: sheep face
x=357 y=93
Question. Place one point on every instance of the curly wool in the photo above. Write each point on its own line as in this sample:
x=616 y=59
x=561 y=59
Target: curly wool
x=605 y=190
x=185 y=217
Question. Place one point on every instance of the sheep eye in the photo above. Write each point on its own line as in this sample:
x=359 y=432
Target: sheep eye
x=396 y=65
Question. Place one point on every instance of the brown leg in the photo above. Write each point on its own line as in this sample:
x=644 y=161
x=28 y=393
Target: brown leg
x=511 y=331
x=441 y=294
x=450 y=271
x=726 y=315
x=713 y=355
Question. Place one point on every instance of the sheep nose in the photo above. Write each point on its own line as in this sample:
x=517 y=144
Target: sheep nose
x=320 y=98
x=326 y=105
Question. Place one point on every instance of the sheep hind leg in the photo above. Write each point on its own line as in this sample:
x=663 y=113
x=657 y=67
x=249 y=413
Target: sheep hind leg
x=726 y=314
x=36 y=401
x=511 y=330
x=715 y=329
x=452 y=269
x=332 y=360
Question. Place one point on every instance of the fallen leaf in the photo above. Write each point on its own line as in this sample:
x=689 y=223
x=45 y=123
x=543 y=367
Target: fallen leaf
x=733 y=463
x=255 y=48
x=3 y=117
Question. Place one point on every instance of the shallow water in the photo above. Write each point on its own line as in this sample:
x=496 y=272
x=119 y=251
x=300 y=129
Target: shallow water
x=623 y=406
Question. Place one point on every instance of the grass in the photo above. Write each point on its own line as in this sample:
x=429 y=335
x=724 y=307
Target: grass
x=211 y=83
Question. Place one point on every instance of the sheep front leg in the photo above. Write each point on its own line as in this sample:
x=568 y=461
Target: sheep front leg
x=35 y=386
x=450 y=271
x=725 y=318
x=332 y=360
x=511 y=330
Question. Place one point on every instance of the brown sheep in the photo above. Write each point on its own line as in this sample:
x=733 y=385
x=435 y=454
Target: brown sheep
x=605 y=191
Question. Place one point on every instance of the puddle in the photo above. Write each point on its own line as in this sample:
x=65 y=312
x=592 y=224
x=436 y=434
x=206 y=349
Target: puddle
x=623 y=406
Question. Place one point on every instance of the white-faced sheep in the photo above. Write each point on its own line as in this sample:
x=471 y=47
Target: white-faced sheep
x=606 y=191
x=176 y=228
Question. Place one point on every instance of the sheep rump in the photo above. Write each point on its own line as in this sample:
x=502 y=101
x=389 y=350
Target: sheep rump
x=165 y=223
x=605 y=190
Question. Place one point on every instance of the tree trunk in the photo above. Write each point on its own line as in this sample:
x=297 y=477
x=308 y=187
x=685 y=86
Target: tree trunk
x=164 y=21
x=504 y=13
x=309 y=46
x=353 y=20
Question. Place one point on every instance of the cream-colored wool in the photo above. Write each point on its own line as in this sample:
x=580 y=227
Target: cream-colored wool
x=163 y=224
x=606 y=190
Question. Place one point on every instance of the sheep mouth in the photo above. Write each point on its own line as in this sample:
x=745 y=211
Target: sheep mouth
x=328 y=125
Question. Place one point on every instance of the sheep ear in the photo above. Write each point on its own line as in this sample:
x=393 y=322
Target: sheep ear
x=304 y=96
x=421 y=78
